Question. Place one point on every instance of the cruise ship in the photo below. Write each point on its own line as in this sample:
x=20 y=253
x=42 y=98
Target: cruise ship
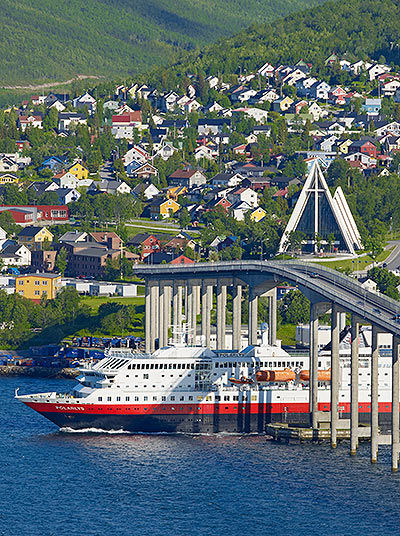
x=193 y=389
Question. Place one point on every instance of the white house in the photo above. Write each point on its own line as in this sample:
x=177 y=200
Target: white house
x=135 y=153
x=68 y=119
x=113 y=187
x=67 y=195
x=15 y=255
x=230 y=180
x=243 y=194
x=85 y=101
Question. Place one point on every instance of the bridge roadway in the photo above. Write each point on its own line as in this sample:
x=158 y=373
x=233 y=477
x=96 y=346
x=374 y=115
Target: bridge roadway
x=326 y=290
x=317 y=282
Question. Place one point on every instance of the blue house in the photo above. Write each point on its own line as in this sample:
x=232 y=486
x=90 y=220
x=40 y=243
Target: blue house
x=54 y=163
x=372 y=106
x=132 y=167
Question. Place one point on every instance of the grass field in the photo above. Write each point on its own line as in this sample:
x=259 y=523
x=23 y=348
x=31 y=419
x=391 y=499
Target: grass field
x=356 y=264
x=287 y=334
x=94 y=302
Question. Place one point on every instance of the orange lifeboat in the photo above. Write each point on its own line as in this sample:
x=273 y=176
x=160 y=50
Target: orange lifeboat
x=323 y=375
x=286 y=375
x=241 y=381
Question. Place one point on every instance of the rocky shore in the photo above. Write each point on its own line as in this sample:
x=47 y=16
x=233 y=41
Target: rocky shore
x=39 y=372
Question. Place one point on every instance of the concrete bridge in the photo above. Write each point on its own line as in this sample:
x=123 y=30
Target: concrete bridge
x=169 y=286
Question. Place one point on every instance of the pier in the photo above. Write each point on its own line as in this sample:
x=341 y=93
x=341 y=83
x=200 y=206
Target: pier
x=174 y=292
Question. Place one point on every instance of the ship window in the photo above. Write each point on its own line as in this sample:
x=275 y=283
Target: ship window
x=156 y=366
x=236 y=398
x=254 y=397
x=145 y=398
x=217 y=398
x=230 y=365
x=163 y=398
x=179 y=365
x=208 y=397
x=109 y=399
x=279 y=363
x=172 y=398
x=127 y=399
x=192 y=366
x=226 y=398
x=100 y=398
x=118 y=398
x=155 y=398
x=225 y=365
x=152 y=366
x=136 y=399
x=216 y=365
x=182 y=398
x=170 y=366
x=147 y=366
x=145 y=376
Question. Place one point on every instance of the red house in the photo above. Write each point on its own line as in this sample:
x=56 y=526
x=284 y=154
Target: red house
x=182 y=260
x=363 y=146
x=24 y=214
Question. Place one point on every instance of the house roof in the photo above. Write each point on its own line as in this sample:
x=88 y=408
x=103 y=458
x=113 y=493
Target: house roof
x=30 y=231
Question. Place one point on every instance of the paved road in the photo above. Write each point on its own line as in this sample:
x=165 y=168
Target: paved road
x=393 y=261
x=107 y=172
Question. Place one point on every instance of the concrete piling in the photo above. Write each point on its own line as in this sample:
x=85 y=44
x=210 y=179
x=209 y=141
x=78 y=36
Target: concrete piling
x=354 y=386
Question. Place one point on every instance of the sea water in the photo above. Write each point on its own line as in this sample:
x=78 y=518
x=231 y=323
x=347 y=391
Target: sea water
x=95 y=484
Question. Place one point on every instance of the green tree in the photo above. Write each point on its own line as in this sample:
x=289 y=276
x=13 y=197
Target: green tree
x=61 y=261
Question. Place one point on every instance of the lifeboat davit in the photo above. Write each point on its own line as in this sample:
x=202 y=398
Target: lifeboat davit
x=241 y=381
x=286 y=375
x=323 y=375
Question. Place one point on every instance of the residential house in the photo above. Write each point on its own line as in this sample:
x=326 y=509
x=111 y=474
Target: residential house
x=68 y=119
x=386 y=127
x=146 y=243
x=29 y=214
x=145 y=190
x=266 y=70
x=182 y=260
x=227 y=179
x=34 y=237
x=258 y=214
x=187 y=177
x=204 y=151
x=54 y=163
x=161 y=209
x=7 y=165
x=112 y=187
x=67 y=195
x=32 y=121
x=123 y=126
x=65 y=179
x=38 y=286
x=85 y=101
x=79 y=171
x=390 y=87
x=8 y=178
x=136 y=153
x=15 y=255
x=365 y=146
x=282 y=104
x=165 y=151
x=372 y=106
x=239 y=209
x=168 y=102
x=173 y=192
x=213 y=126
x=241 y=194
x=320 y=90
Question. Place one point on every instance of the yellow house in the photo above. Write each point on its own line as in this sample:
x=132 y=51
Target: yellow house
x=175 y=191
x=79 y=171
x=33 y=237
x=8 y=178
x=163 y=209
x=258 y=214
x=344 y=146
x=38 y=286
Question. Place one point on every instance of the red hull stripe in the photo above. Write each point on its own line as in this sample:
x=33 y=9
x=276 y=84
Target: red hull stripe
x=192 y=409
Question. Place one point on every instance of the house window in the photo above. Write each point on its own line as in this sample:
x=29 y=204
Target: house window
x=37 y=293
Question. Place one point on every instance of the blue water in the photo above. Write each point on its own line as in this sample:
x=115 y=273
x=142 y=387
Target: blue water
x=55 y=483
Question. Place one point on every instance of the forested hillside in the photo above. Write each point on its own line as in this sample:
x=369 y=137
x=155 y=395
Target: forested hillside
x=360 y=28
x=58 y=39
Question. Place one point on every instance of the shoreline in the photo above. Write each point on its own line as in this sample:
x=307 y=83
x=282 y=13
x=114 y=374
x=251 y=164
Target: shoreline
x=38 y=372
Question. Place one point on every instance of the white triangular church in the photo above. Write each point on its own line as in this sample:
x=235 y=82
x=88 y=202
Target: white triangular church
x=318 y=213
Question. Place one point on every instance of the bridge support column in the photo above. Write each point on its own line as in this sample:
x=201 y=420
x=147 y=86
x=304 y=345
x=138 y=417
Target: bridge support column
x=147 y=309
x=195 y=295
x=154 y=315
x=163 y=314
x=313 y=382
x=206 y=313
x=237 y=317
x=395 y=404
x=335 y=370
x=272 y=313
x=374 y=394
x=177 y=305
x=221 y=315
x=253 y=316
x=354 y=386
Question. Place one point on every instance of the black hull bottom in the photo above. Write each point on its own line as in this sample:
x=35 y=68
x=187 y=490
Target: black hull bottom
x=186 y=423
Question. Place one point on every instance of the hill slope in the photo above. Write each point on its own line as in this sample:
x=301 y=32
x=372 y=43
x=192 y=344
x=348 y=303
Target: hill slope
x=58 y=39
x=359 y=27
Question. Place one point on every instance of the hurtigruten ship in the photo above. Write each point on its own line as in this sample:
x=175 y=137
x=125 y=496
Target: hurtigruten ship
x=193 y=389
